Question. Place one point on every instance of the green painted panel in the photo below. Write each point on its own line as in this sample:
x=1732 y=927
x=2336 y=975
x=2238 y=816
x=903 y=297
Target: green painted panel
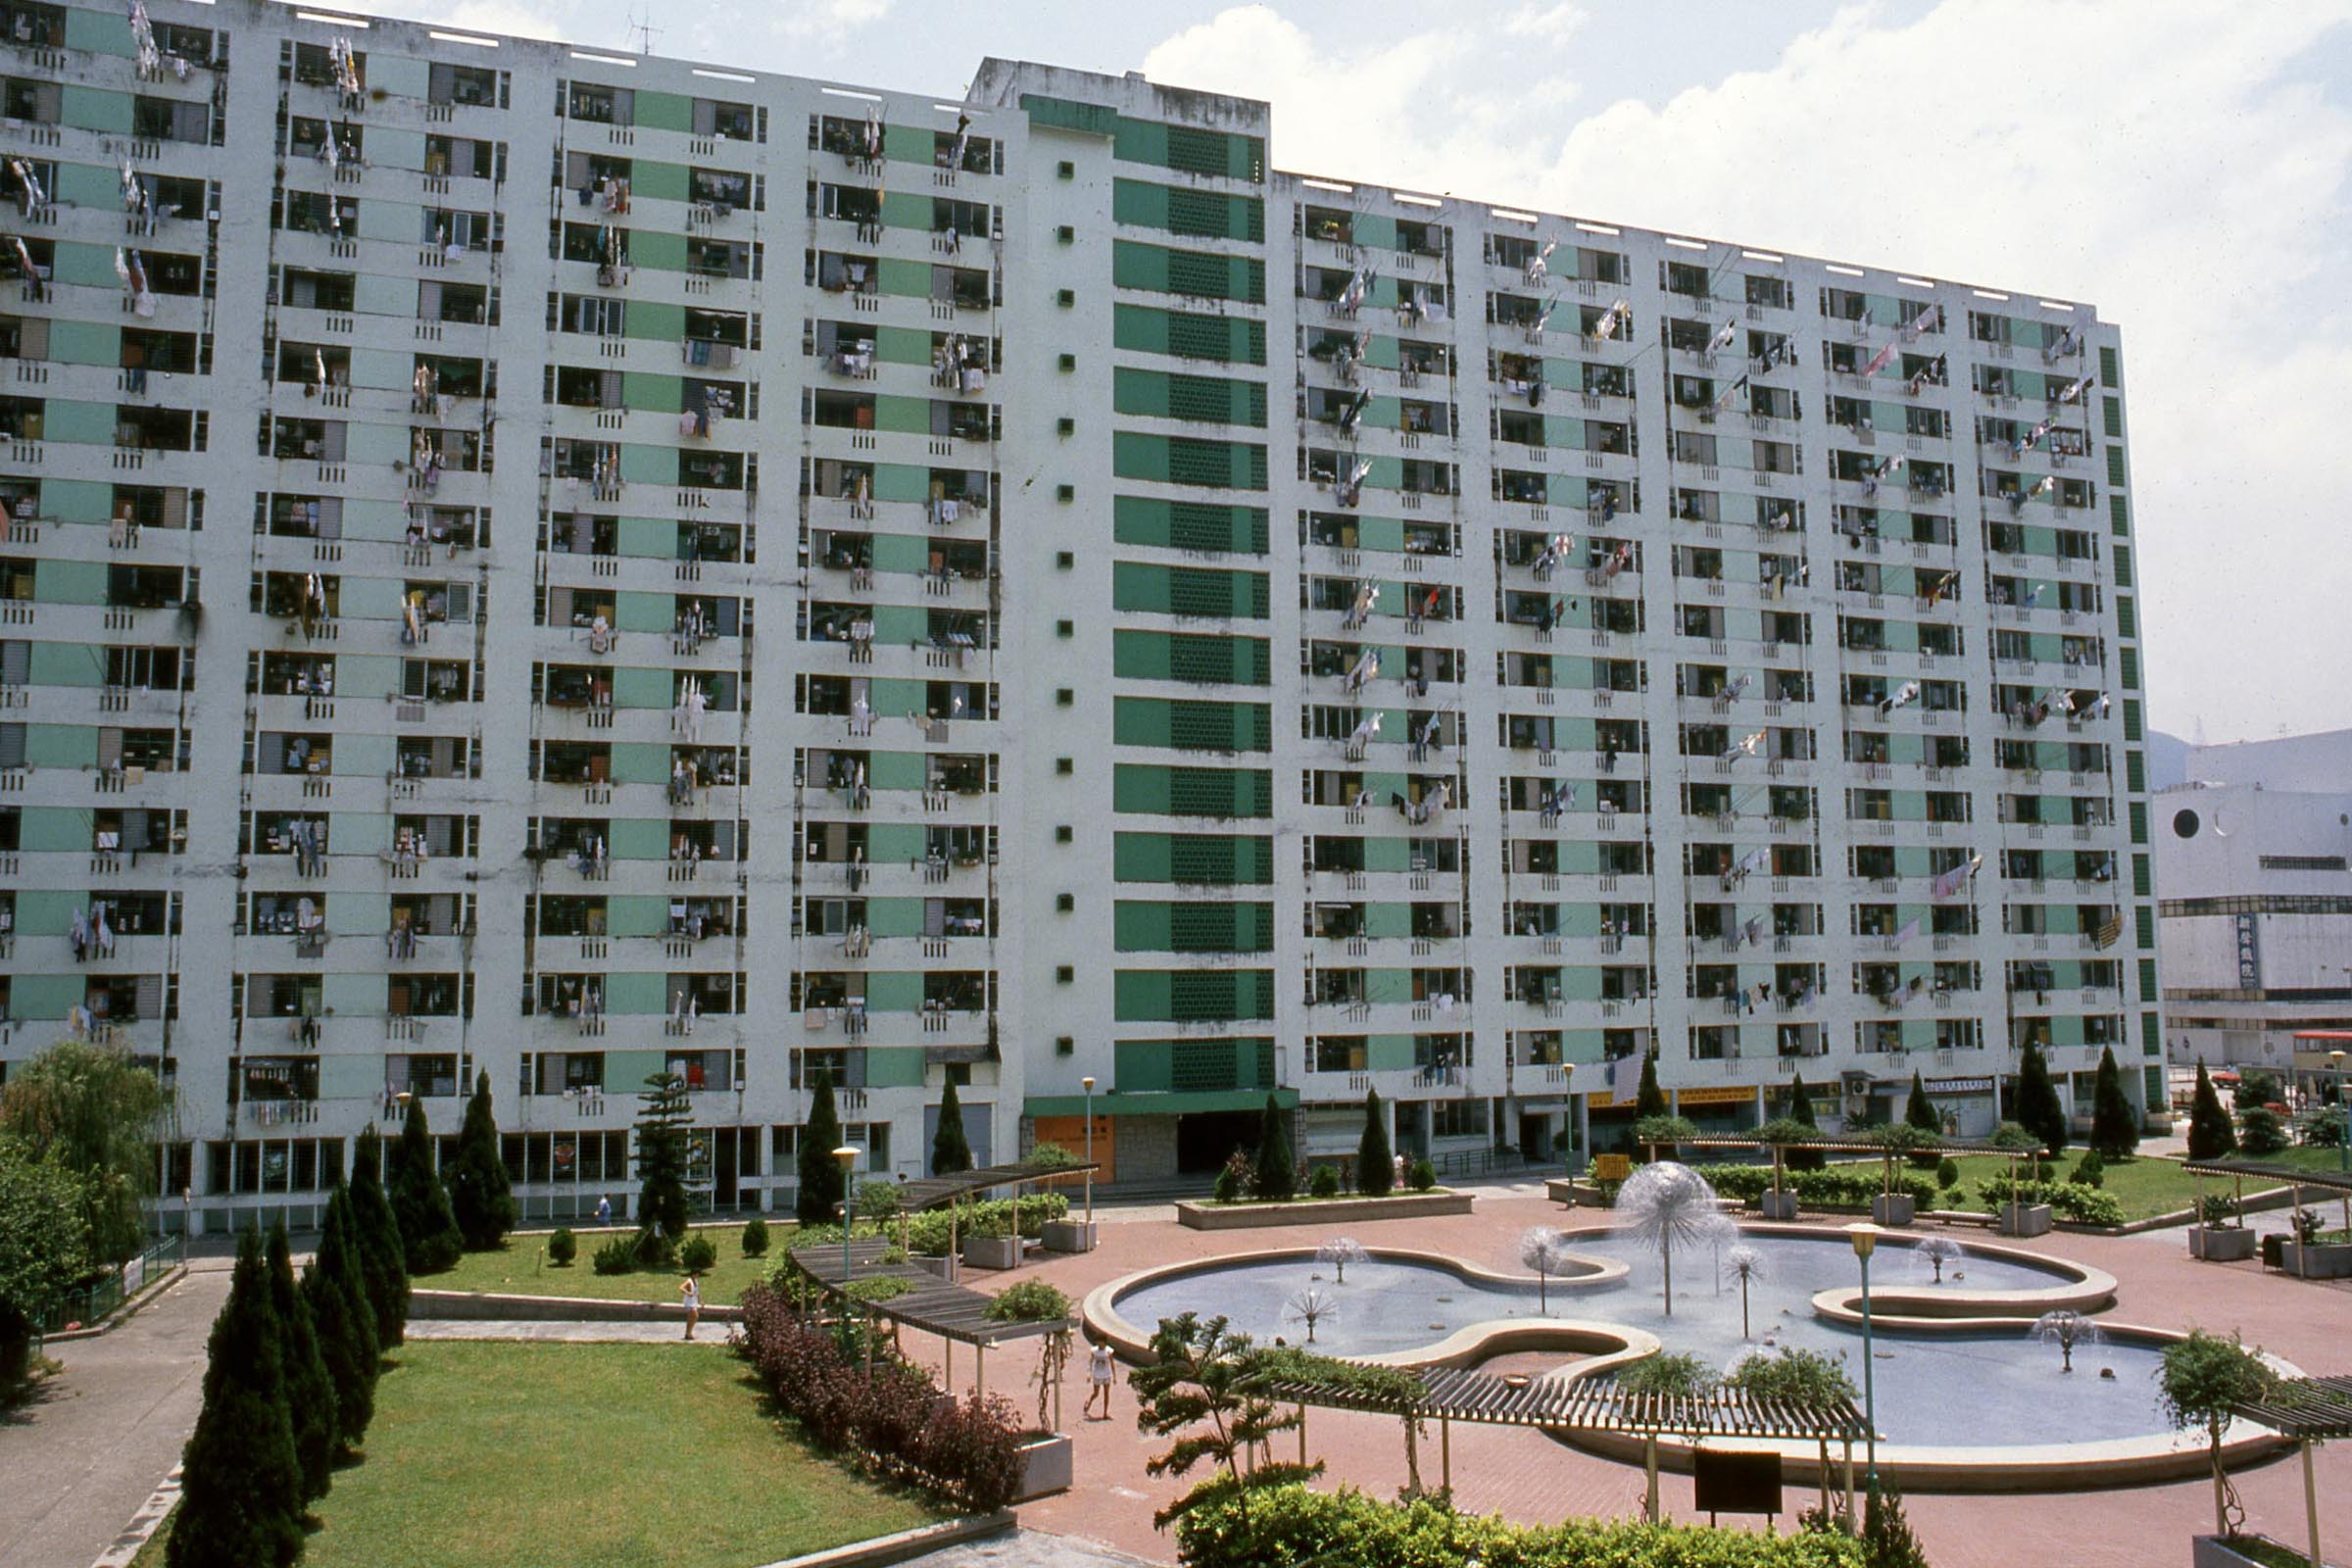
x=894 y=917
x=95 y=109
x=640 y=762
x=637 y=838
x=897 y=770
x=656 y=393
x=901 y=553
x=895 y=1067
x=1387 y=1052
x=88 y=266
x=61 y=746
x=653 y=319
x=905 y=209
x=657 y=249
x=643 y=464
x=70 y=582
x=352 y=996
x=636 y=995
x=897 y=275
x=107 y=32
x=81 y=423
x=909 y=144
x=640 y=688
x=895 y=843
x=396 y=222
x=642 y=612
x=74 y=342
x=48 y=829
x=894 y=992
x=636 y=915
x=66 y=665
x=658 y=180
x=366 y=756
x=647 y=538
x=46 y=996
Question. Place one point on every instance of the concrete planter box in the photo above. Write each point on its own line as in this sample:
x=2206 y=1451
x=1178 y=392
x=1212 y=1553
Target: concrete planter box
x=2330 y=1262
x=2219 y=1551
x=992 y=1251
x=948 y=1267
x=2023 y=1219
x=1894 y=1208
x=2221 y=1244
x=1046 y=1465
x=1780 y=1205
x=1327 y=1211
x=1069 y=1236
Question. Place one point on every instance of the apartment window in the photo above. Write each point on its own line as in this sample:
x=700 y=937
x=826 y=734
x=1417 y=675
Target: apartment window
x=1065 y=1044
x=1065 y=696
x=1066 y=169
x=1064 y=765
x=1064 y=833
x=1064 y=974
x=1069 y=361
x=1065 y=628
x=1066 y=902
x=1064 y=560
x=1065 y=493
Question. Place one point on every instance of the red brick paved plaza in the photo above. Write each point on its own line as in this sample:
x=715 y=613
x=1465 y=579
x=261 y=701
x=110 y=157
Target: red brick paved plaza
x=1529 y=1477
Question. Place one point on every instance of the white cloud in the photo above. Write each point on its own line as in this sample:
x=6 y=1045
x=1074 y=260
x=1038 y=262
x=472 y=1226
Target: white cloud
x=1554 y=24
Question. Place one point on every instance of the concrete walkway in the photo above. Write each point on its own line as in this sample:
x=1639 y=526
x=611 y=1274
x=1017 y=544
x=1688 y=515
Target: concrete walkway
x=1028 y=1548
x=564 y=1333
x=98 y=1438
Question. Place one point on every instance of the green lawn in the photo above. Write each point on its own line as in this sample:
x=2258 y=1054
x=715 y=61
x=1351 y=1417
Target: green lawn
x=2147 y=1186
x=491 y=1455
x=520 y=1269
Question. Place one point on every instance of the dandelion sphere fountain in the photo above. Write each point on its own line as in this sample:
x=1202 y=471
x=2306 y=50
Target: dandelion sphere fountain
x=1668 y=1206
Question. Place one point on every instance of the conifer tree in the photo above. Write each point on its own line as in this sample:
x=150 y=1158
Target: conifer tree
x=479 y=1195
x=2114 y=1123
x=381 y=1261
x=2037 y=1108
x=1800 y=1109
x=663 y=1117
x=429 y=1242
x=1275 y=1176
x=343 y=1322
x=2211 y=1133
x=241 y=1488
x=1919 y=1112
x=1375 y=1163
x=951 y=1151
x=1649 y=1099
x=310 y=1392
x=822 y=1183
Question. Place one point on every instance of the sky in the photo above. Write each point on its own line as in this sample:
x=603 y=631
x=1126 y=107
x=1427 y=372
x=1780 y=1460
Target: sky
x=2180 y=165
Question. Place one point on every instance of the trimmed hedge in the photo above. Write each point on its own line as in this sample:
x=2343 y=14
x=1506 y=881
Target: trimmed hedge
x=2069 y=1201
x=1851 y=1185
x=927 y=1232
x=1290 y=1527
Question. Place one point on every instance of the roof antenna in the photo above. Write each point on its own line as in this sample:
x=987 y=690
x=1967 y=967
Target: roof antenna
x=642 y=31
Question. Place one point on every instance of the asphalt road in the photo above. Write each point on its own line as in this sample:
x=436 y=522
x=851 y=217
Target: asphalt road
x=97 y=1439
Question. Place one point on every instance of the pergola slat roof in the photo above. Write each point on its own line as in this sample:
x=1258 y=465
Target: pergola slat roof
x=2313 y=1410
x=932 y=1306
x=933 y=1191
x=1452 y=1393
x=2330 y=1181
x=1859 y=1144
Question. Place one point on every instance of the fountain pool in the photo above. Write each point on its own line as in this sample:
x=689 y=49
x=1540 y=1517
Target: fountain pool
x=1965 y=1387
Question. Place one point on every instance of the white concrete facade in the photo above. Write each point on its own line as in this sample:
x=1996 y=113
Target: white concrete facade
x=997 y=720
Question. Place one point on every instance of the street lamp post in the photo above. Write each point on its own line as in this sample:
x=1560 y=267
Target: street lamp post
x=1089 y=1085
x=847 y=1154
x=2343 y=1132
x=1865 y=1238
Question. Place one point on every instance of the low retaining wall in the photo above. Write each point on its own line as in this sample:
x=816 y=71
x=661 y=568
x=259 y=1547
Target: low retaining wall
x=1321 y=1212
x=474 y=1307
x=905 y=1544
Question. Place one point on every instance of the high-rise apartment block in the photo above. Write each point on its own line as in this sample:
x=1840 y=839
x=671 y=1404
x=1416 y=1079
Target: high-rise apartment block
x=579 y=566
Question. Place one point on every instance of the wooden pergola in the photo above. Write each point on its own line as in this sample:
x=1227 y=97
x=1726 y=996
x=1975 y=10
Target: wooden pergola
x=1446 y=1394
x=931 y=1306
x=2310 y=1410
x=933 y=1191
x=1864 y=1144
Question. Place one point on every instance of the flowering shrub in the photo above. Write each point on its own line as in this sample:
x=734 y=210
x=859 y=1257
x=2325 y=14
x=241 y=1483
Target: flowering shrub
x=2068 y=1201
x=892 y=1419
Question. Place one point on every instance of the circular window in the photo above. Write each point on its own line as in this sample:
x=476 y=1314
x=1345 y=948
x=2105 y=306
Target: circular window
x=2185 y=824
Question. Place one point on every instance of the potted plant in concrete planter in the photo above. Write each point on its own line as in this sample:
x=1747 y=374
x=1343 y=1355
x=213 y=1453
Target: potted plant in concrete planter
x=2016 y=1216
x=1046 y=1453
x=1778 y=1202
x=1890 y=1207
x=2306 y=1255
x=2219 y=1236
x=992 y=1243
x=1067 y=1233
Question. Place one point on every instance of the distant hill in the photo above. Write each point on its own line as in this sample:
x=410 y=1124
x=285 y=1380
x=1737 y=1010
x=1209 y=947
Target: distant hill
x=2167 y=761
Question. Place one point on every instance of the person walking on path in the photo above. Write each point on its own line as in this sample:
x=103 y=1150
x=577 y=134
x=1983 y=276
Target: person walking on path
x=692 y=1293
x=604 y=1211
x=1101 y=1371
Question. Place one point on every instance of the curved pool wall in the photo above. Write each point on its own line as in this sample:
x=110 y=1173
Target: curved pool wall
x=1968 y=1398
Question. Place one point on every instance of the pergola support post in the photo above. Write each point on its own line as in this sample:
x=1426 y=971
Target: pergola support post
x=1650 y=1475
x=1445 y=1454
x=2311 y=1503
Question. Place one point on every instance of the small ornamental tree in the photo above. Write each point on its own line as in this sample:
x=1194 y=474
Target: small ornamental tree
x=2263 y=1132
x=428 y=1231
x=663 y=1117
x=1201 y=1384
x=44 y=1249
x=1919 y=1112
x=342 y=1322
x=241 y=1486
x=951 y=1151
x=821 y=1179
x=1275 y=1177
x=379 y=1261
x=2114 y=1123
x=91 y=1110
x=1649 y=1099
x=2202 y=1382
x=310 y=1392
x=2039 y=1109
x=1800 y=1112
x=478 y=1191
x=2211 y=1133
x=1375 y=1164
x=1886 y=1538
